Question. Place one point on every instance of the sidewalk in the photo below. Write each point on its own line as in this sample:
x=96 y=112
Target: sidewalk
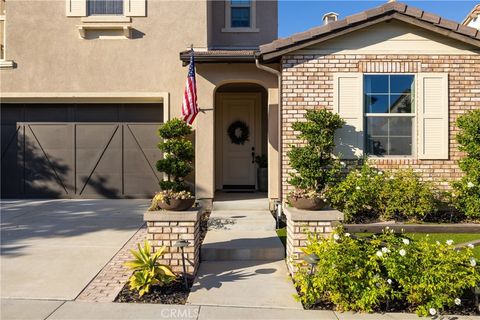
x=74 y=310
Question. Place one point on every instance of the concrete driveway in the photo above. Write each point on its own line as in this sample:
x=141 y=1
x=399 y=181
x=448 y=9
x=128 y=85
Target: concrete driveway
x=51 y=249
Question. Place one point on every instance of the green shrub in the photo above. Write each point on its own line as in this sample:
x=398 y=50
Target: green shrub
x=178 y=154
x=313 y=163
x=467 y=190
x=357 y=196
x=406 y=197
x=365 y=274
x=147 y=271
x=368 y=193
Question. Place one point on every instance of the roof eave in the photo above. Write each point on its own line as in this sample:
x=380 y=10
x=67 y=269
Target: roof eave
x=276 y=54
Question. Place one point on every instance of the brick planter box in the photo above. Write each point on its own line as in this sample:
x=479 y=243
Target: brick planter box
x=164 y=228
x=299 y=222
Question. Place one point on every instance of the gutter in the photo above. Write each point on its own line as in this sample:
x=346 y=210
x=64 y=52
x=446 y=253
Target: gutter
x=279 y=76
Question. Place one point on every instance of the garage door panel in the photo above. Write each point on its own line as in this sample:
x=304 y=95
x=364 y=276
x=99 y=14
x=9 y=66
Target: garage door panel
x=62 y=155
x=141 y=176
x=47 y=160
x=10 y=153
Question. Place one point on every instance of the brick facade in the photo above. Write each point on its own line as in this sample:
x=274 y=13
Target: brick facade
x=307 y=83
x=302 y=222
x=164 y=228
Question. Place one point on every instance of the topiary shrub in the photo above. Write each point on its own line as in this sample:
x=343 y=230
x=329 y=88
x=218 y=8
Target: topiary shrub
x=178 y=154
x=467 y=190
x=367 y=274
x=313 y=163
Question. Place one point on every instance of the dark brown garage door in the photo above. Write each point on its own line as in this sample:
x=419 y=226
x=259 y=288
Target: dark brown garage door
x=80 y=151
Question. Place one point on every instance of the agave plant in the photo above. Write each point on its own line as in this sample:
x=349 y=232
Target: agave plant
x=147 y=271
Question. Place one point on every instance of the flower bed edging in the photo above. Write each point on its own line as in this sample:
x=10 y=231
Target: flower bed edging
x=164 y=228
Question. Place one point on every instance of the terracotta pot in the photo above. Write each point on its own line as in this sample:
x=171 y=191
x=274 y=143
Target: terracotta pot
x=307 y=204
x=177 y=204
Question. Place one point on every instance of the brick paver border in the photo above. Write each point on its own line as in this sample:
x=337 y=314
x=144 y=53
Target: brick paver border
x=110 y=280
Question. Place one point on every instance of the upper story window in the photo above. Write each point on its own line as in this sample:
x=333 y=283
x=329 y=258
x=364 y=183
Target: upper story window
x=240 y=11
x=389 y=114
x=240 y=16
x=104 y=7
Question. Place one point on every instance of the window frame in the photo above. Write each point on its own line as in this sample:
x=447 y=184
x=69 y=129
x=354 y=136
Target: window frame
x=112 y=15
x=413 y=116
x=228 y=17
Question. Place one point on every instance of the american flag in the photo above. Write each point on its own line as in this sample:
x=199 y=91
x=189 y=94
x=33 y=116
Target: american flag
x=189 y=104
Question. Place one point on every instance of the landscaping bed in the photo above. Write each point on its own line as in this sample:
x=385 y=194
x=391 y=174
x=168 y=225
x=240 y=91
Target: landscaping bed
x=172 y=293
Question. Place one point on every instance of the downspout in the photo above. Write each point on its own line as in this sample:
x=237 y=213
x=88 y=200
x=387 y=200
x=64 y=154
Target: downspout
x=279 y=76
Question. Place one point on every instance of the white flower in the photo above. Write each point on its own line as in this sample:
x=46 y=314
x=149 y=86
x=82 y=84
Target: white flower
x=389 y=281
x=343 y=164
x=385 y=250
x=379 y=254
x=358 y=188
x=380 y=173
x=392 y=177
x=347 y=234
x=433 y=311
x=402 y=252
x=437 y=242
x=473 y=262
x=406 y=241
x=470 y=184
x=471 y=246
x=458 y=301
x=453 y=195
x=336 y=236
x=449 y=242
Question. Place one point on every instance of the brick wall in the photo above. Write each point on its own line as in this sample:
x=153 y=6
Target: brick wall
x=308 y=84
x=165 y=228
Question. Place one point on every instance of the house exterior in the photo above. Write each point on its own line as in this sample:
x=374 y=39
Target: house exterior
x=398 y=75
x=82 y=96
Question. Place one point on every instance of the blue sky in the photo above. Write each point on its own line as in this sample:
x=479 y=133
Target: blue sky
x=300 y=15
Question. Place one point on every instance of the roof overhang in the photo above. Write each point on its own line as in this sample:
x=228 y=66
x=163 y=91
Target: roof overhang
x=219 y=56
x=391 y=11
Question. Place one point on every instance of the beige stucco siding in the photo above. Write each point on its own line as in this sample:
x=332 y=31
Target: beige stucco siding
x=51 y=57
x=266 y=23
x=209 y=78
x=392 y=37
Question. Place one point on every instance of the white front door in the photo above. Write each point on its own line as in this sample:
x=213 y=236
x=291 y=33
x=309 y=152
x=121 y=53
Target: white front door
x=239 y=169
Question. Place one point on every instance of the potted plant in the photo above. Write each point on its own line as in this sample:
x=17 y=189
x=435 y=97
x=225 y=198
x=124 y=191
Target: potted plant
x=315 y=167
x=262 y=172
x=177 y=163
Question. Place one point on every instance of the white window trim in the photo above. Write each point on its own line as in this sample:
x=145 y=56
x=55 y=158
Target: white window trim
x=4 y=63
x=413 y=115
x=253 y=18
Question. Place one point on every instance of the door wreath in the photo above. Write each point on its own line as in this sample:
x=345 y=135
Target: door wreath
x=238 y=132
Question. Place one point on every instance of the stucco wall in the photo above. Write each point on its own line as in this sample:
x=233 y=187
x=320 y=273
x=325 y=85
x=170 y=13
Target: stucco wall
x=51 y=57
x=266 y=22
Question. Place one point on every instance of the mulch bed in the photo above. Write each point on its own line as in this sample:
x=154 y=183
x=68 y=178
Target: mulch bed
x=173 y=293
x=204 y=225
x=467 y=308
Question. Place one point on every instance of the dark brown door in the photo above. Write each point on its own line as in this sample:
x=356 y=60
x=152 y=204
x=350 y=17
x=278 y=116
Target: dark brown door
x=80 y=151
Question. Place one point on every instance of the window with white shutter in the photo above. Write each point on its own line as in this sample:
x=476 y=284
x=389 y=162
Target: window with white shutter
x=348 y=104
x=433 y=116
x=76 y=8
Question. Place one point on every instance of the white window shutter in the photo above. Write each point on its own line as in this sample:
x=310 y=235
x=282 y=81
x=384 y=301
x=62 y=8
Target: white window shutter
x=433 y=116
x=76 y=8
x=348 y=103
x=134 y=8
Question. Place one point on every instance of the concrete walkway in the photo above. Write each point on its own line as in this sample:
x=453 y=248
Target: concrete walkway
x=72 y=310
x=243 y=259
x=51 y=249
